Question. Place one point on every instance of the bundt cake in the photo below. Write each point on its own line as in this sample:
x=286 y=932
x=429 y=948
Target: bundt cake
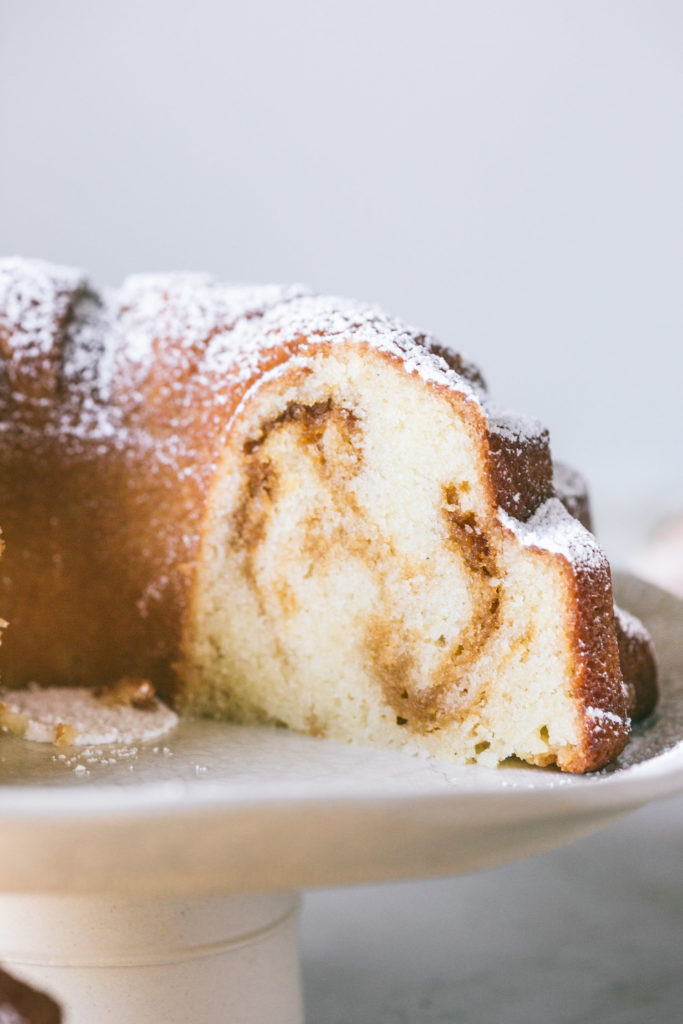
x=287 y=508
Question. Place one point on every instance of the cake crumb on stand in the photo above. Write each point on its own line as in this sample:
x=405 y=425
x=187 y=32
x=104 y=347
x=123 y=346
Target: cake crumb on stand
x=126 y=713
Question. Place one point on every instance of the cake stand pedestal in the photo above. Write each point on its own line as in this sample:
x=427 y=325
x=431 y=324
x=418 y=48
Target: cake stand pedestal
x=161 y=884
x=148 y=959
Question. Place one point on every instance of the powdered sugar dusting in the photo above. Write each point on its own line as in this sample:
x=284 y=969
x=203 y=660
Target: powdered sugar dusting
x=341 y=319
x=118 y=339
x=514 y=426
x=188 y=309
x=631 y=626
x=601 y=715
x=606 y=722
x=34 y=299
x=552 y=528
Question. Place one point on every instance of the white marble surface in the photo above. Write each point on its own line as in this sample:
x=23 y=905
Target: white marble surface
x=589 y=932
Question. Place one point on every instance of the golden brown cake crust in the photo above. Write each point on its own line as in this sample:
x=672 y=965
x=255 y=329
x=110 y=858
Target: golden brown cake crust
x=597 y=685
x=636 y=651
x=521 y=464
x=638 y=664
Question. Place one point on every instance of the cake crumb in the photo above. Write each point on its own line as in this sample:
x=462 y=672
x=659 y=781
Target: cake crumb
x=79 y=717
x=65 y=735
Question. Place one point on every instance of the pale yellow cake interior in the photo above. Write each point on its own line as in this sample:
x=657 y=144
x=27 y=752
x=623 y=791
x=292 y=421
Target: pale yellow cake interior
x=356 y=582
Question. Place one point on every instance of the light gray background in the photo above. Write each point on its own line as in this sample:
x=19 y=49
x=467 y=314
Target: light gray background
x=505 y=174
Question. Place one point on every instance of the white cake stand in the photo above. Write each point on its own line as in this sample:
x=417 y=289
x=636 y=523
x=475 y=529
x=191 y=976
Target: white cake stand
x=162 y=885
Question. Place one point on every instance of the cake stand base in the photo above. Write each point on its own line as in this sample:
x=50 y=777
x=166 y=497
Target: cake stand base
x=207 y=959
